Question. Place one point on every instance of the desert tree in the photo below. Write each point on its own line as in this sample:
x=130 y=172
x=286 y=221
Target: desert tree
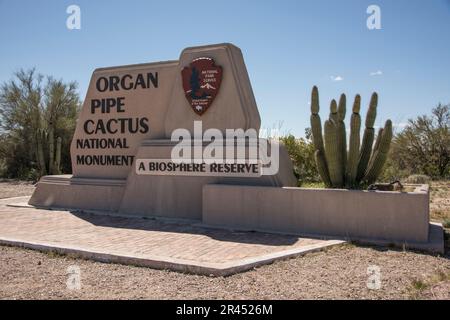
x=423 y=146
x=37 y=117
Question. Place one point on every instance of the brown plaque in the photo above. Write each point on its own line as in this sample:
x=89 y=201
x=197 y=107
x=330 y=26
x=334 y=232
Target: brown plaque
x=201 y=83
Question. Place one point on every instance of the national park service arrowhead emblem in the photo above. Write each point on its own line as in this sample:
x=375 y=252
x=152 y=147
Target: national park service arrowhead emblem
x=201 y=83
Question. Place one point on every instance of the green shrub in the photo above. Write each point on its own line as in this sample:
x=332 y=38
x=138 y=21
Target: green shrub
x=423 y=146
x=301 y=151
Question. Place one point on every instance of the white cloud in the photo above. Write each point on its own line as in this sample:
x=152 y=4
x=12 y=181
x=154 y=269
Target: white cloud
x=400 y=125
x=376 y=73
x=336 y=78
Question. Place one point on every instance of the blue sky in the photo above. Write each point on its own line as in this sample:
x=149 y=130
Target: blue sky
x=288 y=46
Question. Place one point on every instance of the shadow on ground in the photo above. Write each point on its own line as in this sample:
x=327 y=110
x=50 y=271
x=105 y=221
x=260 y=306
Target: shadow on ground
x=151 y=224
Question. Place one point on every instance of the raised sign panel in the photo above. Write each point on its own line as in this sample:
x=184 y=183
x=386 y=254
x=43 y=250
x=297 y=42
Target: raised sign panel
x=129 y=104
x=123 y=106
x=233 y=106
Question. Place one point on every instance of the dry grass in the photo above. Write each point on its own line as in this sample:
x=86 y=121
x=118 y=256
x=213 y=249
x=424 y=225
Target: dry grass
x=440 y=202
x=436 y=286
x=15 y=188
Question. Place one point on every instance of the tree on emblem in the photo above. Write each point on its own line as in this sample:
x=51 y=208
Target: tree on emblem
x=195 y=84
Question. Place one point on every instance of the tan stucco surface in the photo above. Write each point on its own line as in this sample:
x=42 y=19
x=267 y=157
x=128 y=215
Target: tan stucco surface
x=235 y=105
x=333 y=212
x=151 y=103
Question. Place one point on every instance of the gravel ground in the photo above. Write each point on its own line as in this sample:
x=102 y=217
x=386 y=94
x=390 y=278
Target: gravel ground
x=338 y=273
x=14 y=188
x=440 y=202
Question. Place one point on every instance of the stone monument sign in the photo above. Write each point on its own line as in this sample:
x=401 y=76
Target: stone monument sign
x=131 y=151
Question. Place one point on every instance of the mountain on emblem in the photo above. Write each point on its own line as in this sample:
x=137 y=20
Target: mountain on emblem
x=201 y=83
x=207 y=86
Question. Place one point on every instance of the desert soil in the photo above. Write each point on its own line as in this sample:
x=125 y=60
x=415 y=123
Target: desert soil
x=339 y=273
x=440 y=201
x=14 y=188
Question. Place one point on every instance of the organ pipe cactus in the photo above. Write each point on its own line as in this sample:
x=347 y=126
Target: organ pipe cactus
x=363 y=162
x=333 y=154
x=322 y=167
x=380 y=153
x=354 y=143
x=51 y=149
x=43 y=139
x=341 y=133
x=316 y=128
x=368 y=137
x=57 y=166
x=334 y=111
x=40 y=137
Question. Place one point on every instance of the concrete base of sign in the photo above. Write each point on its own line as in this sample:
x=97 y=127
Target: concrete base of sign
x=181 y=196
x=368 y=216
x=65 y=191
x=146 y=195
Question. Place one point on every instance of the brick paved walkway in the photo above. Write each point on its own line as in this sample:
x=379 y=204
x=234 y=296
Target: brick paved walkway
x=146 y=242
